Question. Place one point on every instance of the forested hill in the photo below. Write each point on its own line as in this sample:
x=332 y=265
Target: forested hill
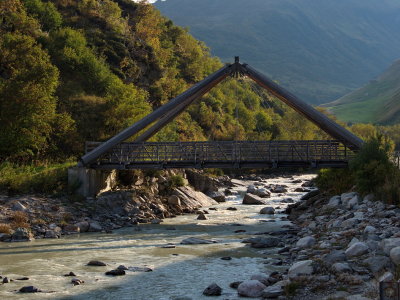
x=319 y=49
x=376 y=102
x=72 y=71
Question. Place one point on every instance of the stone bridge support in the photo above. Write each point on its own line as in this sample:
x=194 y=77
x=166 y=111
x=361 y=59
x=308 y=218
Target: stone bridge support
x=91 y=182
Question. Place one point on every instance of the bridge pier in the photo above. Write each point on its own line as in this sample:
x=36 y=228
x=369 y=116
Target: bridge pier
x=91 y=182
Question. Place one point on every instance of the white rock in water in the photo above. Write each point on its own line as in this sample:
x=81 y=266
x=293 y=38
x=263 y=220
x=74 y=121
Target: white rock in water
x=267 y=210
x=357 y=249
x=306 y=242
x=251 y=288
x=303 y=267
x=395 y=255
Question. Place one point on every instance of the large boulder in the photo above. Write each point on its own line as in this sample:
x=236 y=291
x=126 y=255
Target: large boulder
x=303 y=267
x=395 y=255
x=269 y=210
x=213 y=290
x=347 y=197
x=357 y=249
x=262 y=192
x=306 y=242
x=251 y=199
x=334 y=256
x=341 y=268
x=389 y=244
x=273 y=291
x=377 y=263
x=22 y=235
x=218 y=196
x=251 y=288
x=335 y=201
x=95 y=227
x=192 y=199
x=83 y=226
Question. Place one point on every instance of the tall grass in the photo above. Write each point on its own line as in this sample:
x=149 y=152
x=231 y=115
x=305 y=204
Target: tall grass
x=43 y=178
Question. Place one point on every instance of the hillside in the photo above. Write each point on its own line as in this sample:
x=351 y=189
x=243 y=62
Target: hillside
x=76 y=71
x=319 y=49
x=376 y=102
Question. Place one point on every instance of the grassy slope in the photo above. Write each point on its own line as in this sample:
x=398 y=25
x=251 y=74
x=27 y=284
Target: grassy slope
x=376 y=102
x=320 y=50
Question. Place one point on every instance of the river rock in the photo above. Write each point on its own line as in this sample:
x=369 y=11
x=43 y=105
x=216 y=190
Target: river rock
x=357 y=249
x=252 y=199
x=83 y=226
x=335 y=201
x=278 y=189
x=369 y=229
x=303 y=267
x=395 y=255
x=262 y=192
x=267 y=210
x=70 y=274
x=174 y=200
x=251 y=189
x=218 y=196
x=232 y=208
x=262 y=242
x=18 y=206
x=96 y=263
x=261 y=278
x=6 y=280
x=377 y=263
x=235 y=284
x=29 y=289
x=116 y=272
x=251 y=288
x=272 y=291
x=346 y=197
x=306 y=242
x=196 y=241
x=212 y=290
x=202 y=216
x=95 y=227
x=389 y=244
x=341 y=268
x=310 y=194
x=76 y=281
x=51 y=234
x=22 y=235
x=71 y=228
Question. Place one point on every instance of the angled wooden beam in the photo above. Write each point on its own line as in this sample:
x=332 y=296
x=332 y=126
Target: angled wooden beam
x=322 y=121
x=155 y=115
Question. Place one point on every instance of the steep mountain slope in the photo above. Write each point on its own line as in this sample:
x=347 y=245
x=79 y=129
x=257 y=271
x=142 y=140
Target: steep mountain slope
x=319 y=49
x=376 y=102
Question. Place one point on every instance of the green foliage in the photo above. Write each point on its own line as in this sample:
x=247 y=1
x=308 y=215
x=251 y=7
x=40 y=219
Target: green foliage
x=176 y=181
x=371 y=171
x=40 y=178
x=28 y=82
x=335 y=181
x=45 y=12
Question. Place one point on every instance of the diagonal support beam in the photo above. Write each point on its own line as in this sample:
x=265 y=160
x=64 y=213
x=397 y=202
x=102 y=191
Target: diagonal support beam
x=318 y=118
x=156 y=114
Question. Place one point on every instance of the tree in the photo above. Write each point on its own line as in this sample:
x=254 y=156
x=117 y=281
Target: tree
x=28 y=82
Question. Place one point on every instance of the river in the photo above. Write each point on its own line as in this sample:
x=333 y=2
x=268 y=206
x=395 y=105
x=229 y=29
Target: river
x=184 y=271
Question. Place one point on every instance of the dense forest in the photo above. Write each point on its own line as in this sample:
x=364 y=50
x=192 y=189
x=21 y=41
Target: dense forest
x=73 y=71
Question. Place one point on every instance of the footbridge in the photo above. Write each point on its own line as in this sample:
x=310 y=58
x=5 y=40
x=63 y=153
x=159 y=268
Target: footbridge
x=117 y=154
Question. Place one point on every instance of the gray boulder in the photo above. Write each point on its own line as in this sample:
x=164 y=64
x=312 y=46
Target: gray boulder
x=212 y=290
x=95 y=227
x=389 y=244
x=267 y=210
x=303 y=267
x=341 y=268
x=334 y=256
x=218 y=196
x=306 y=242
x=261 y=278
x=395 y=255
x=251 y=288
x=377 y=263
x=251 y=199
x=83 y=226
x=263 y=193
x=357 y=249
x=335 y=201
x=22 y=235
x=272 y=291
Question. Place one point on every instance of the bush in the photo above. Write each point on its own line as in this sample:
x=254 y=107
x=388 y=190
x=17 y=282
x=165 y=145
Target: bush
x=19 y=220
x=34 y=178
x=176 y=181
x=371 y=171
x=5 y=228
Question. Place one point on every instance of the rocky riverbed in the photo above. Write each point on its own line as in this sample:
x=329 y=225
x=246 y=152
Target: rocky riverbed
x=266 y=237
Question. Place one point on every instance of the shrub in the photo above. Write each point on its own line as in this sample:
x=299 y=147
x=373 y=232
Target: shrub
x=176 y=181
x=335 y=181
x=19 y=220
x=5 y=228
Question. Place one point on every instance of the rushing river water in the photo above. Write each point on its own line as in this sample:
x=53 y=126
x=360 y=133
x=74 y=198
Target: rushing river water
x=184 y=271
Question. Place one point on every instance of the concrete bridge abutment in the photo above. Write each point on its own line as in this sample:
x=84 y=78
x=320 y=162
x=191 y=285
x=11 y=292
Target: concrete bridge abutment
x=91 y=182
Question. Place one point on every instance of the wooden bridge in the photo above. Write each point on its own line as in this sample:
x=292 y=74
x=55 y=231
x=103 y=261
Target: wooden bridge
x=244 y=154
x=116 y=154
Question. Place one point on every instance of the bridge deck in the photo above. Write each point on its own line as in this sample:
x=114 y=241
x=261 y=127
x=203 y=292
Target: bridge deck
x=239 y=154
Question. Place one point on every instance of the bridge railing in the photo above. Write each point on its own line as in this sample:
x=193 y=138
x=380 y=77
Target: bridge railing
x=239 y=153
